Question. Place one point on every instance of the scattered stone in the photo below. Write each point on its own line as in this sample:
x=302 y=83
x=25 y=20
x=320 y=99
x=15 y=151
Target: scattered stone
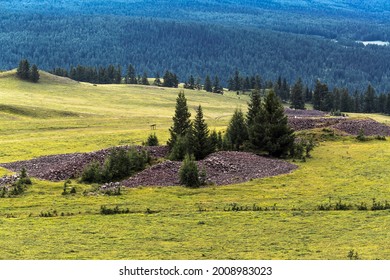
x=311 y=123
x=370 y=127
x=222 y=168
x=8 y=180
x=303 y=113
x=65 y=166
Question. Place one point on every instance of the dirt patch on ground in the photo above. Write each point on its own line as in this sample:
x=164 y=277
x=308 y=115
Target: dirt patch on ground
x=222 y=168
x=62 y=167
x=370 y=127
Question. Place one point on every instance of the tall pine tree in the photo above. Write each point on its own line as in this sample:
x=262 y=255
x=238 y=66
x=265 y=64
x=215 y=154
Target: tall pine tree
x=297 y=98
x=207 y=84
x=34 y=74
x=237 y=132
x=131 y=76
x=181 y=120
x=23 y=71
x=270 y=132
x=254 y=107
x=202 y=146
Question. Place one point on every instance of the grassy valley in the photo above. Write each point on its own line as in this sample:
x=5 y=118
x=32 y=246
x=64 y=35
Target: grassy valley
x=58 y=115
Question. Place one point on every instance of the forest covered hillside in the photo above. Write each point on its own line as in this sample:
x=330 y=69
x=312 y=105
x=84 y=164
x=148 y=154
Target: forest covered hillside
x=308 y=39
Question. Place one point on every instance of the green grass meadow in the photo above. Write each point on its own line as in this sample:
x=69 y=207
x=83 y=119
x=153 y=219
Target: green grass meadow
x=61 y=116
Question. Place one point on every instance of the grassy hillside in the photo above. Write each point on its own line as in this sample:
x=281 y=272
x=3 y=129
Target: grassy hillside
x=58 y=115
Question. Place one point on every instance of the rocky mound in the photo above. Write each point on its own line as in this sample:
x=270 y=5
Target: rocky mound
x=310 y=123
x=369 y=127
x=222 y=168
x=303 y=113
x=62 y=167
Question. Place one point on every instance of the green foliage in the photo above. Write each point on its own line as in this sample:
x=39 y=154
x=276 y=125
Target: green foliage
x=104 y=210
x=189 y=175
x=144 y=80
x=302 y=148
x=254 y=108
x=170 y=80
x=236 y=132
x=352 y=255
x=23 y=70
x=361 y=136
x=92 y=173
x=203 y=177
x=20 y=186
x=24 y=178
x=131 y=76
x=207 y=84
x=34 y=74
x=214 y=141
x=152 y=140
x=217 y=88
x=48 y=214
x=269 y=131
x=297 y=97
x=65 y=189
x=157 y=80
x=202 y=145
x=235 y=207
x=379 y=206
x=339 y=206
x=181 y=120
x=119 y=165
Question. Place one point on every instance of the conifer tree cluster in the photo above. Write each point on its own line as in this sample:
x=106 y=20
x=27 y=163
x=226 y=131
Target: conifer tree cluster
x=265 y=129
x=25 y=72
x=189 y=137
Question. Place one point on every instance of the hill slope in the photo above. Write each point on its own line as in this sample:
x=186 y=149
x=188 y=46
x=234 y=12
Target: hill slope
x=58 y=115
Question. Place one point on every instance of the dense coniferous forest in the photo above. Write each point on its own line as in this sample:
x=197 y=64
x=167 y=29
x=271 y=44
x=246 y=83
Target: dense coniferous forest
x=200 y=38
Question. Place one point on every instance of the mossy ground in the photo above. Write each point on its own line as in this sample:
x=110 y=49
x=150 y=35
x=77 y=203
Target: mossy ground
x=185 y=223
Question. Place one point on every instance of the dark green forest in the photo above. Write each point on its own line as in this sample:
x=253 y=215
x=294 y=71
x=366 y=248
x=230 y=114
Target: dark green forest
x=200 y=38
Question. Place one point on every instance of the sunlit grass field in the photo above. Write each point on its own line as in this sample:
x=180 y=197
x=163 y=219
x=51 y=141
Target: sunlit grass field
x=61 y=116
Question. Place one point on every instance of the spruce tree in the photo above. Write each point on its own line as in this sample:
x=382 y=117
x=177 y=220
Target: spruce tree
x=34 y=74
x=23 y=71
x=320 y=95
x=280 y=136
x=157 y=80
x=207 y=84
x=118 y=75
x=216 y=86
x=237 y=132
x=144 y=79
x=369 y=100
x=181 y=120
x=131 y=77
x=202 y=146
x=253 y=108
x=297 y=98
x=270 y=132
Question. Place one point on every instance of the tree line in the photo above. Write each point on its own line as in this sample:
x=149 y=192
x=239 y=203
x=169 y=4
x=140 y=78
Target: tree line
x=156 y=45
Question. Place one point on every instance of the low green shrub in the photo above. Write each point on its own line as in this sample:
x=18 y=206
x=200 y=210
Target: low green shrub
x=104 y=210
x=119 y=165
x=189 y=175
x=152 y=140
